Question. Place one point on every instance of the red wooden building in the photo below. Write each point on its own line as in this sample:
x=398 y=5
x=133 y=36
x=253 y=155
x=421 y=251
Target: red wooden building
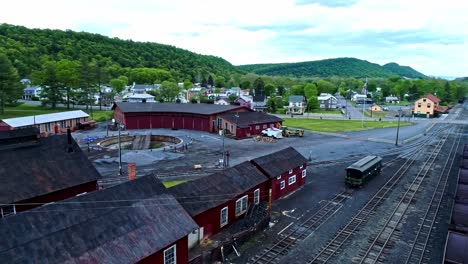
x=133 y=222
x=246 y=124
x=218 y=200
x=36 y=171
x=286 y=169
x=201 y=117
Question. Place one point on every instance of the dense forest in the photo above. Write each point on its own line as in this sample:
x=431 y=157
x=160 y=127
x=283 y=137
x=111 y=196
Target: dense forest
x=344 y=67
x=28 y=48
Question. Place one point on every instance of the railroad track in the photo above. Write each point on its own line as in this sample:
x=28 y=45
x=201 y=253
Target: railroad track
x=367 y=211
x=286 y=241
x=419 y=245
x=389 y=233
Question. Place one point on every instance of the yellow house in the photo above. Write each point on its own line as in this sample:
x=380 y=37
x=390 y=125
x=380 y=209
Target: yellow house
x=376 y=108
x=428 y=107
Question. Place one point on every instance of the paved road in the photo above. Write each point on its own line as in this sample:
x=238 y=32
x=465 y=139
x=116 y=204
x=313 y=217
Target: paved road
x=351 y=111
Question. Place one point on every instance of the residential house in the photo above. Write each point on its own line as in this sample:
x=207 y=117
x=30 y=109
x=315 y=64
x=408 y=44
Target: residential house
x=391 y=99
x=286 y=169
x=140 y=98
x=222 y=101
x=327 y=101
x=141 y=88
x=35 y=171
x=218 y=200
x=247 y=124
x=245 y=101
x=428 y=107
x=134 y=222
x=31 y=92
x=259 y=103
x=297 y=104
x=55 y=123
x=358 y=97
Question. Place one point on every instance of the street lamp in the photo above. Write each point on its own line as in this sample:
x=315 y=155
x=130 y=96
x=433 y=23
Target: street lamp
x=398 y=127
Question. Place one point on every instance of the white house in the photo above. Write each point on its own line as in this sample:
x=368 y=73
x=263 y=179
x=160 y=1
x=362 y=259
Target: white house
x=327 y=101
x=358 y=97
x=391 y=99
x=140 y=98
x=297 y=104
x=31 y=91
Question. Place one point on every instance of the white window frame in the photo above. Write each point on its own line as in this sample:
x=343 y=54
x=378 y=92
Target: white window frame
x=278 y=178
x=302 y=166
x=5 y=215
x=243 y=205
x=292 y=180
x=290 y=171
x=282 y=185
x=304 y=173
x=257 y=127
x=174 y=261
x=221 y=217
x=257 y=196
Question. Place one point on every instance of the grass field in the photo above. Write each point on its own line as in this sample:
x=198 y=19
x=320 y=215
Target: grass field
x=374 y=114
x=332 y=112
x=169 y=184
x=337 y=125
x=29 y=110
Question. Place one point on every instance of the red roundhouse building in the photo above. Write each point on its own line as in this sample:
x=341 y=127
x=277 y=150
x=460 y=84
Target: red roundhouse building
x=287 y=170
x=218 y=200
x=202 y=117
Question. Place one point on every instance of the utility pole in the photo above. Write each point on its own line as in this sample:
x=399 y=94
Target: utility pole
x=120 y=152
x=398 y=127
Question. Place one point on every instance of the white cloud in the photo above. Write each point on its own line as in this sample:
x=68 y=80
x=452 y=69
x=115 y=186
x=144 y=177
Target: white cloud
x=248 y=31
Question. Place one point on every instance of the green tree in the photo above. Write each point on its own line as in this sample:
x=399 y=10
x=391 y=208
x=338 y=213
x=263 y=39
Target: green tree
x=272 y=105
x=232 y=97
x=312 y=104
x=245 y=84
x=270 y=89
x=117 y=85
x=310 y=90
x=259 y=86
x=210 y=80
x=68 y=78
x=88 y=89
x=220 y=81
x=187 y=84
x=297 y=89
x=51 y=92
x=10 y=87
x=325 y=87
x=281 y=90
x=169 y=91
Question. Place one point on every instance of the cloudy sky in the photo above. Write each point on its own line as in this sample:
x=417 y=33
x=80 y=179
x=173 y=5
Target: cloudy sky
x=428 y=35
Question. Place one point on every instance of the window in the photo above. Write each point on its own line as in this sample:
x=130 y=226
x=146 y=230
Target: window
x=424 y=99
x=63 y=124
x=292 y=180
x=282 y=185
x=232 y=128
x=272 y=125
x=419 y=104
x=220 y=122
x=241 y=205
x=170 y=256
x=279 y=177
x=8 y=210
x=47 y=127
x=77 y=121
x=224 y=216
x=264 y=126
x=290 y=171
x=429 y=105
x=257 y=196
x=257 y=127
x=304 y=173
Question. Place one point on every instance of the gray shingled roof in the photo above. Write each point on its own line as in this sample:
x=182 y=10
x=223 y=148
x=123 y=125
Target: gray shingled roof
x=203 y=109
x=30 y=170
x=121 y=224
x=296 y=98
x=202 y=194
x=245 y=119
x=280 y=162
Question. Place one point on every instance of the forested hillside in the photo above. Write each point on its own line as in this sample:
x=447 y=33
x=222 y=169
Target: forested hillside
x=29 y=48
x=343 y=67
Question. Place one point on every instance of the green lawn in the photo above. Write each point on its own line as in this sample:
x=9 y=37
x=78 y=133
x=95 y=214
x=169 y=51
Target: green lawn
x=332 y=112
x=29 y=110
x=337 y=125
x=169 y=184
x=374 y=114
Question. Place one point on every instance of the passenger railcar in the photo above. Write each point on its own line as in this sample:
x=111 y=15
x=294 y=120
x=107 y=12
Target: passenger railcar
x=362 y=171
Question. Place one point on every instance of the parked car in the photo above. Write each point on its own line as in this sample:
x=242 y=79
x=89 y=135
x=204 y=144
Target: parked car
x=273 y=132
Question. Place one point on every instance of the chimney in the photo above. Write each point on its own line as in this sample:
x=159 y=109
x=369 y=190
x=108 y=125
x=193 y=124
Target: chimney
x=131 y=171
x=69 y=139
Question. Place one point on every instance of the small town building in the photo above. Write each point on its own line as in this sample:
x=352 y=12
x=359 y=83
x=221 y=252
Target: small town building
x=35 y=171
x=391 y=99
x=141 y=88
x=327 y=101
x=247 y=124
x=297 y=105
x=201 y=117
x=286 y=169
x=245 y=101
x=428 y=107
x=134 y=222
x=222 y=101
x=140 y=98
x=31 y=92
x=218 y=200
x=55 y=123
x=358 y=97
x=259 y=103
x=376 y=108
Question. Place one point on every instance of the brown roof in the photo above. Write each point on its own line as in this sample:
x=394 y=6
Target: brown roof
x=280 y=162
x=432 y=98
x=246 y=119
x=441 y=109
x=202 y=109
